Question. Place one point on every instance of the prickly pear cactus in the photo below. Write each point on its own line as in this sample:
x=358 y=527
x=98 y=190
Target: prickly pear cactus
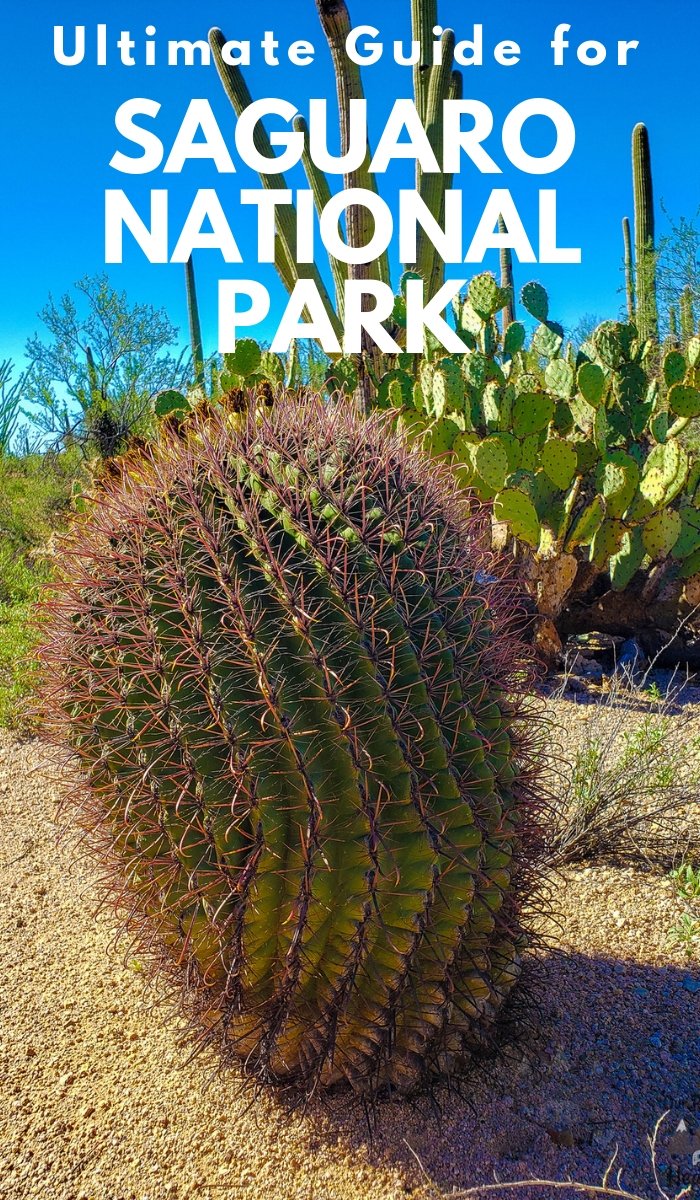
x=288 y=671
x=580 y=453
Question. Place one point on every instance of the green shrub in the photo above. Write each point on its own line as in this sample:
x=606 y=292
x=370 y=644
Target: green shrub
x=34 y=500
x=35 y=494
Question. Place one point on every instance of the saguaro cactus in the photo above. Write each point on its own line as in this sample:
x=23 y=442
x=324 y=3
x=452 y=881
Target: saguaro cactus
x=645 y=250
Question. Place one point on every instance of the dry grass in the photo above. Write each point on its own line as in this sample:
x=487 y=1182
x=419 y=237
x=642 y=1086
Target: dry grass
x=628 y=776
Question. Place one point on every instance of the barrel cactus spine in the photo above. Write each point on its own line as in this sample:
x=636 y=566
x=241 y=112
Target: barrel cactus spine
x=289 y=671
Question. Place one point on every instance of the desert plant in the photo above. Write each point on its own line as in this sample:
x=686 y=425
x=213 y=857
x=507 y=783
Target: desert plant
x=20 y=583
x=631 y=782
x=35 y=496
x=249 y=373
x=194 y=324
x=687 y=315
x=289 y=670
x=687 y=880
x=686 y=935
x=507 y=284
x=579 y=453
x=629 y=268
x=9 y=404
x=678 y=264
x=434 y=82
x=645 y=249
x=93 y=381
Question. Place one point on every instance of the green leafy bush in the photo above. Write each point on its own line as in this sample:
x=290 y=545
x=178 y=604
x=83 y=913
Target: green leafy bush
x=35 y=494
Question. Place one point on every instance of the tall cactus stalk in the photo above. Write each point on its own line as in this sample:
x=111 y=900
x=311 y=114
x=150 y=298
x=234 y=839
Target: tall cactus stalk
x=336 y=25
x=194 y=324
x=673 y=324
x=289 y=270
x=506 y=257
x=423 y=21
x=629 y=268
x=455 y=92
x=645 y=253
x=432 y=186
x=321 y=191
x=687 y=315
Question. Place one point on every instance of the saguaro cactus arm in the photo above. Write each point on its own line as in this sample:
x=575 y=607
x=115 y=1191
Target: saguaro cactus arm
x=335 y=22
x=687 y=314
x=289 y=270
x=320 y=188
x=432 y=186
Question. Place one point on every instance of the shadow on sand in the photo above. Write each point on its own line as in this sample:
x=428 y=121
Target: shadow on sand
x=618 y=1044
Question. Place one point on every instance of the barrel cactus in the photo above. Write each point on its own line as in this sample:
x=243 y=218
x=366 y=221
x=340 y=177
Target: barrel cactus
x=290 y=676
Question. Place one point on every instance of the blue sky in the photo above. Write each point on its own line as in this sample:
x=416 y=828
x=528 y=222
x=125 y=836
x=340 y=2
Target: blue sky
x=57 y=130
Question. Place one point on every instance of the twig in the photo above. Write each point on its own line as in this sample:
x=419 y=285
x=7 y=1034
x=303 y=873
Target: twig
x=11 y=863
x=430 y=1182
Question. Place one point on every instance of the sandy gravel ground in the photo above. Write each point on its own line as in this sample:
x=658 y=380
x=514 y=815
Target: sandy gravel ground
x=98 y=1101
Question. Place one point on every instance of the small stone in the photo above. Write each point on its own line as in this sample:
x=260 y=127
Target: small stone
x=655 y=1040
x=66 y=1080
x=691 y=985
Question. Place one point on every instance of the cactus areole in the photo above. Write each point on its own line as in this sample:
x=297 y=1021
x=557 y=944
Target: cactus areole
x=287 y=669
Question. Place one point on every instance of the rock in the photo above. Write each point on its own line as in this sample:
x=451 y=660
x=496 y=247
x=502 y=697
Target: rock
x=691 y=985
x=585 y=668
x=655 y=1040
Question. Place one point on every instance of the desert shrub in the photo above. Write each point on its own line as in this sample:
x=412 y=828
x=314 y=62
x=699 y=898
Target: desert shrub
x=20 y=581
x=628 y=788
x=35 y=493
x=685 y=934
